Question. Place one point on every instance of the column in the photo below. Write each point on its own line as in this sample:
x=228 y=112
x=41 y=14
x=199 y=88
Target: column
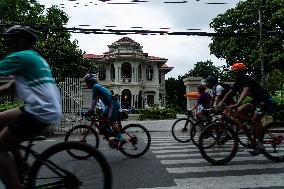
x=191 y=84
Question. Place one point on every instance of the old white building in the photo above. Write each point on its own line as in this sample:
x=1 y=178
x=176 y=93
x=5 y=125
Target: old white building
x=137 y=78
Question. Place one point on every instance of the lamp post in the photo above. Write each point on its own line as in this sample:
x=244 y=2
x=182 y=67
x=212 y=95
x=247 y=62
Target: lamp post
x=260 y=43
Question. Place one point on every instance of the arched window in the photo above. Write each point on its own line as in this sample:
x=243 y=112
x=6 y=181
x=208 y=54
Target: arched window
x=126 y=72
x=150 y=72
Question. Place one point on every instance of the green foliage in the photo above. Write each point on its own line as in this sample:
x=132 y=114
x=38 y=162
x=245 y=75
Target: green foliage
x=156 y=113
x=175 y=91
x=274 y=81
x=10 y=105
x=279 y=110
x=204 y=69
x=63 y=55
x=243 y=22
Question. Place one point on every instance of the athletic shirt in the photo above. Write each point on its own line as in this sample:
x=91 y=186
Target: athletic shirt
x=34 y=84
x=100 y=92
x=204 y=99
x=257 y=92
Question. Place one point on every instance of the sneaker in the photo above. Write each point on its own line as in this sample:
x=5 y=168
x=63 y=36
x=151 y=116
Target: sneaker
x=120 y=138
x=259 y=149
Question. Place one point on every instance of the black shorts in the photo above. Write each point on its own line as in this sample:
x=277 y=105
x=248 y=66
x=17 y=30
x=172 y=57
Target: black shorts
x=26 y=126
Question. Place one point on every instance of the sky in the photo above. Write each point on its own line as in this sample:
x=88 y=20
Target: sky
x=182 y=52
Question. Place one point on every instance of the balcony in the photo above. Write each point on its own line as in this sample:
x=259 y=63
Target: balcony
x=126 y=80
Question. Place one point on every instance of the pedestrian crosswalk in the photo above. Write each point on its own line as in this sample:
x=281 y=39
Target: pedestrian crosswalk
x=191 y=171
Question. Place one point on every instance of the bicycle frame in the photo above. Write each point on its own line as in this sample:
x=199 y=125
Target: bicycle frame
x=52 y=166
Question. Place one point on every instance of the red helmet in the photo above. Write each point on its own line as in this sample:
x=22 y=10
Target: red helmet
x=238 y=66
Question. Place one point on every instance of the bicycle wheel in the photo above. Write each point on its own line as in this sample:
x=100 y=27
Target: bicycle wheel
x=181 y=130
x=84 y=134
x=138 y=140
x=54 y=168
x=196 y=130
x=273 y=141
x=218 y=144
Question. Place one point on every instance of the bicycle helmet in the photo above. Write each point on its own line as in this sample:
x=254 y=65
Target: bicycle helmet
x=239 y=66
x=201 y=87
x=91 y=78
x=17 y=32
x=211 y=80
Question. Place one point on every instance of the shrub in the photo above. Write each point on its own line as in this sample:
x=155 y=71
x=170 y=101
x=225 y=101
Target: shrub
x=157 y=113
x=10 y=105
x=279 y=110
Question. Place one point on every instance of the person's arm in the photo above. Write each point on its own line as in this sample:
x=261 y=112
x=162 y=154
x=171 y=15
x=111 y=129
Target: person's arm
x=244 y=94
x=7 y=88
x=225 y=97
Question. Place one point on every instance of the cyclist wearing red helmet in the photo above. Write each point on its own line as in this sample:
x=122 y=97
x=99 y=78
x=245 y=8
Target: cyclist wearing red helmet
x=204 y=100
x=260 y=98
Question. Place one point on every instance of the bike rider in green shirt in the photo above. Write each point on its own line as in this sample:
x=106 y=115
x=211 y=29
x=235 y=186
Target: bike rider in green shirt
x=35 y=86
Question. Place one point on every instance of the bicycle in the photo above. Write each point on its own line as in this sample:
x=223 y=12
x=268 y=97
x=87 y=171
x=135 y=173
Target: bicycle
x=49 y=170
x=138 y=139
x=181 y=127
x=218 y=142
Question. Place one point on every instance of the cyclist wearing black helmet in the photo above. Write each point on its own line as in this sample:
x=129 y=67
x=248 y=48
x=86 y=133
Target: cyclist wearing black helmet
x=34 y=84
x=112 y=104
x=218 y=90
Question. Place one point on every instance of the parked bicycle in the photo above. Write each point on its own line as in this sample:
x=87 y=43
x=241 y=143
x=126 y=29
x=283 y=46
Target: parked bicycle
x=138 y=139
x=54 y=168
x=218 y=142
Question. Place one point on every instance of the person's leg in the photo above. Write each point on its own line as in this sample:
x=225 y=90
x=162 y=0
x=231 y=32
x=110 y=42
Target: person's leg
x=9 y=116
x=8 y=169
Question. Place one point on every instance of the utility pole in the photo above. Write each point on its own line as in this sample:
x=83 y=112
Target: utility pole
x=260 y=43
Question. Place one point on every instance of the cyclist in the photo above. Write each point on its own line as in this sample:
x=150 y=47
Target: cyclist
x=218 y=90
x=261 y=100
x=34 y=84
x=203 y=99
x=111 y=102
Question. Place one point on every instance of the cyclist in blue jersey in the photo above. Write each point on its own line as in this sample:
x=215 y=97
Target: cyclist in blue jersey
x=111 y=102
x=34 y=84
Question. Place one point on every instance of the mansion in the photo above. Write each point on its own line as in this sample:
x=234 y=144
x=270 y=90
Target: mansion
x=135 y=77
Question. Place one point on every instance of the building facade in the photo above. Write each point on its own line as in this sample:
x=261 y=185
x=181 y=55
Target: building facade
x=135 y=77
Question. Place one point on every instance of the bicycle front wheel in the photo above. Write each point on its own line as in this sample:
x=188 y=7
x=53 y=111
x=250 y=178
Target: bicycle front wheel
x=196 y=130
x=138 y=140
x=181 y=130
x=273 y=141
x=54 y=168
x=83 y=134
x=218 y=144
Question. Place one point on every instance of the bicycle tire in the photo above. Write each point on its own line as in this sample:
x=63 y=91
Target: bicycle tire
x=46 y=157
x=220 y=135
x=132 y=140
x=184 y=129
x=196 y=130
x=273 y=141
x=74 y=131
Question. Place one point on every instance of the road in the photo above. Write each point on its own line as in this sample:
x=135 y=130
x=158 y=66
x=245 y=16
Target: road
x=173 y=165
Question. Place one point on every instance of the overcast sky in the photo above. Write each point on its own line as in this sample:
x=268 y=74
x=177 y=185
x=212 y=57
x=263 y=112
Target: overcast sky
x=182 y=52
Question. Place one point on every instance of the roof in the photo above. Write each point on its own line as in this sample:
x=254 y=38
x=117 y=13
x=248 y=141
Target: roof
x=92 y=56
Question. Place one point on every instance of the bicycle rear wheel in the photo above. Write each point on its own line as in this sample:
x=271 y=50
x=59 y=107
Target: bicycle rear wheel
x=181 y=130
x=56 y=169
x=84 y=134
x=218 y=144
x=273 y=141
x=196 y=130
x=138 y=140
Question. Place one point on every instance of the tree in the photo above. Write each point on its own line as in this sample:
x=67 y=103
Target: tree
x=63 y=55
x=243 y=22
x=204 y=69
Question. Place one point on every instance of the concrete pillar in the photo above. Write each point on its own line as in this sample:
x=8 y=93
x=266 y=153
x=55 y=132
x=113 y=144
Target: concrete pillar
x=191 y=84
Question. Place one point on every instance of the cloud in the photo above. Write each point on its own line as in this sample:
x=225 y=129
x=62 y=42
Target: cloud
x=182 y=52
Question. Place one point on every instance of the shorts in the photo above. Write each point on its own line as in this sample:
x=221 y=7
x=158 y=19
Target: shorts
x=268 y=106
x=26 y=126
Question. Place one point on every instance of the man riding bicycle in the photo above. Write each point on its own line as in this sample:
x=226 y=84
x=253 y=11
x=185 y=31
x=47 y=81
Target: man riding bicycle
x=261 y=100
x=111 y=112
x=34 y=84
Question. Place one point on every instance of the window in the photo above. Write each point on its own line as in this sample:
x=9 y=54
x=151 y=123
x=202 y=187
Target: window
x=150 y=72
x=102 y=74
x=112 y=72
